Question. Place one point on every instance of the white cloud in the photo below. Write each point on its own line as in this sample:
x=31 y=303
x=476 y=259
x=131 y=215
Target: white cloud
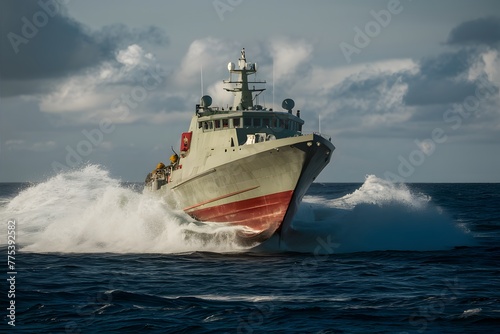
x=133 y=56
x=492 y=69
x=310 y=85
x=22 y=145
x=316 y=89
x=210 y=54
x=288 y=55
x=220 y=97
x=492 y=62
x=329 y=91
x=322 y=79
x=114 y=90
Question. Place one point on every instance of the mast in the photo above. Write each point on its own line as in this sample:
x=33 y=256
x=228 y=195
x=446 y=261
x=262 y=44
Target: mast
x=243 y=98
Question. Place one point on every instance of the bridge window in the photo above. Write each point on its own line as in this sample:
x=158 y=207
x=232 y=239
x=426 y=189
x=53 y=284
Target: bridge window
x=274 y=122
x=236 y=122
x=285 y=124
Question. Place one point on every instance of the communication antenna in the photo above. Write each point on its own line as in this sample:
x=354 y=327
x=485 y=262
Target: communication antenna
x=201 y=71
x=273 y=83
x=319 y=123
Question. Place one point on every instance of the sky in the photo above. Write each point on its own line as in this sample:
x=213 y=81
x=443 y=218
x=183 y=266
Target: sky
x=407 y=90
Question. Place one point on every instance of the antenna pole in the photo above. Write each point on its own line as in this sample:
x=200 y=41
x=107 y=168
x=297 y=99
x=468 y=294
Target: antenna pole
x=201 y=71
x=273 y=83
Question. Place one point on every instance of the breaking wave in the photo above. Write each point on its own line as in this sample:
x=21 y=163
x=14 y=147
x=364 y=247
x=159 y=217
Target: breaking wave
x=378 y=216
x=86 y=211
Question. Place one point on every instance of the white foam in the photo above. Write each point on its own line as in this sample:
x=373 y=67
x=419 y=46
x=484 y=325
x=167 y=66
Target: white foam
x=265 y=298
x=87 y=211
x=380 y=215
x=471 y=312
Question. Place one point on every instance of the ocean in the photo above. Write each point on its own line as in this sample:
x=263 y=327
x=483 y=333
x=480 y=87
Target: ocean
x=93 y=254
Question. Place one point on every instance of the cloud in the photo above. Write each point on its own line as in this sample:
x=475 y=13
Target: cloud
x=452 y=76
x=115 y=90
x=42 y=42
x=438 y=91
x=445 y=78
x=359 y=100
x=210 y=54
x=481 y=31
x=368 y=106
x=133 y=55
x=288 y=55
x=390 y=98
x=402 y=98
x=22 y=145
x=447 y=64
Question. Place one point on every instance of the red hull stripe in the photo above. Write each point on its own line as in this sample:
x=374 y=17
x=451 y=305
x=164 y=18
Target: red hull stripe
x=259 y=213
x=220 y=197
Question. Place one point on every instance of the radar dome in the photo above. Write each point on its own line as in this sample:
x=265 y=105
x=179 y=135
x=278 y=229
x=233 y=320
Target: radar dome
x=205 y=101
x=288 y=104
x=230 y=66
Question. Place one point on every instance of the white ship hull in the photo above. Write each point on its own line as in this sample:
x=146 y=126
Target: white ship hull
x=255 y=186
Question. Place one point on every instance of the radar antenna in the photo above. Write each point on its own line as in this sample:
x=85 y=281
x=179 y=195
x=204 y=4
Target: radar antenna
x=243 y=99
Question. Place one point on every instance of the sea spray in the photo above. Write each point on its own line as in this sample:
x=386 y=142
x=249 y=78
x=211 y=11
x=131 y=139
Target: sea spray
x=86 y=211
x=380 y=215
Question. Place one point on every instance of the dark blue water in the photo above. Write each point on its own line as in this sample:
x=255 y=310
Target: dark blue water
x=95 y=255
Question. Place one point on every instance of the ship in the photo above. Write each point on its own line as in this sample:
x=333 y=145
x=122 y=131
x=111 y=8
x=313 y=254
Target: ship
x=244 y=165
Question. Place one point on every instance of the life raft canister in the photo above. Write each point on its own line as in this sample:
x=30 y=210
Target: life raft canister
x=185 y=141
